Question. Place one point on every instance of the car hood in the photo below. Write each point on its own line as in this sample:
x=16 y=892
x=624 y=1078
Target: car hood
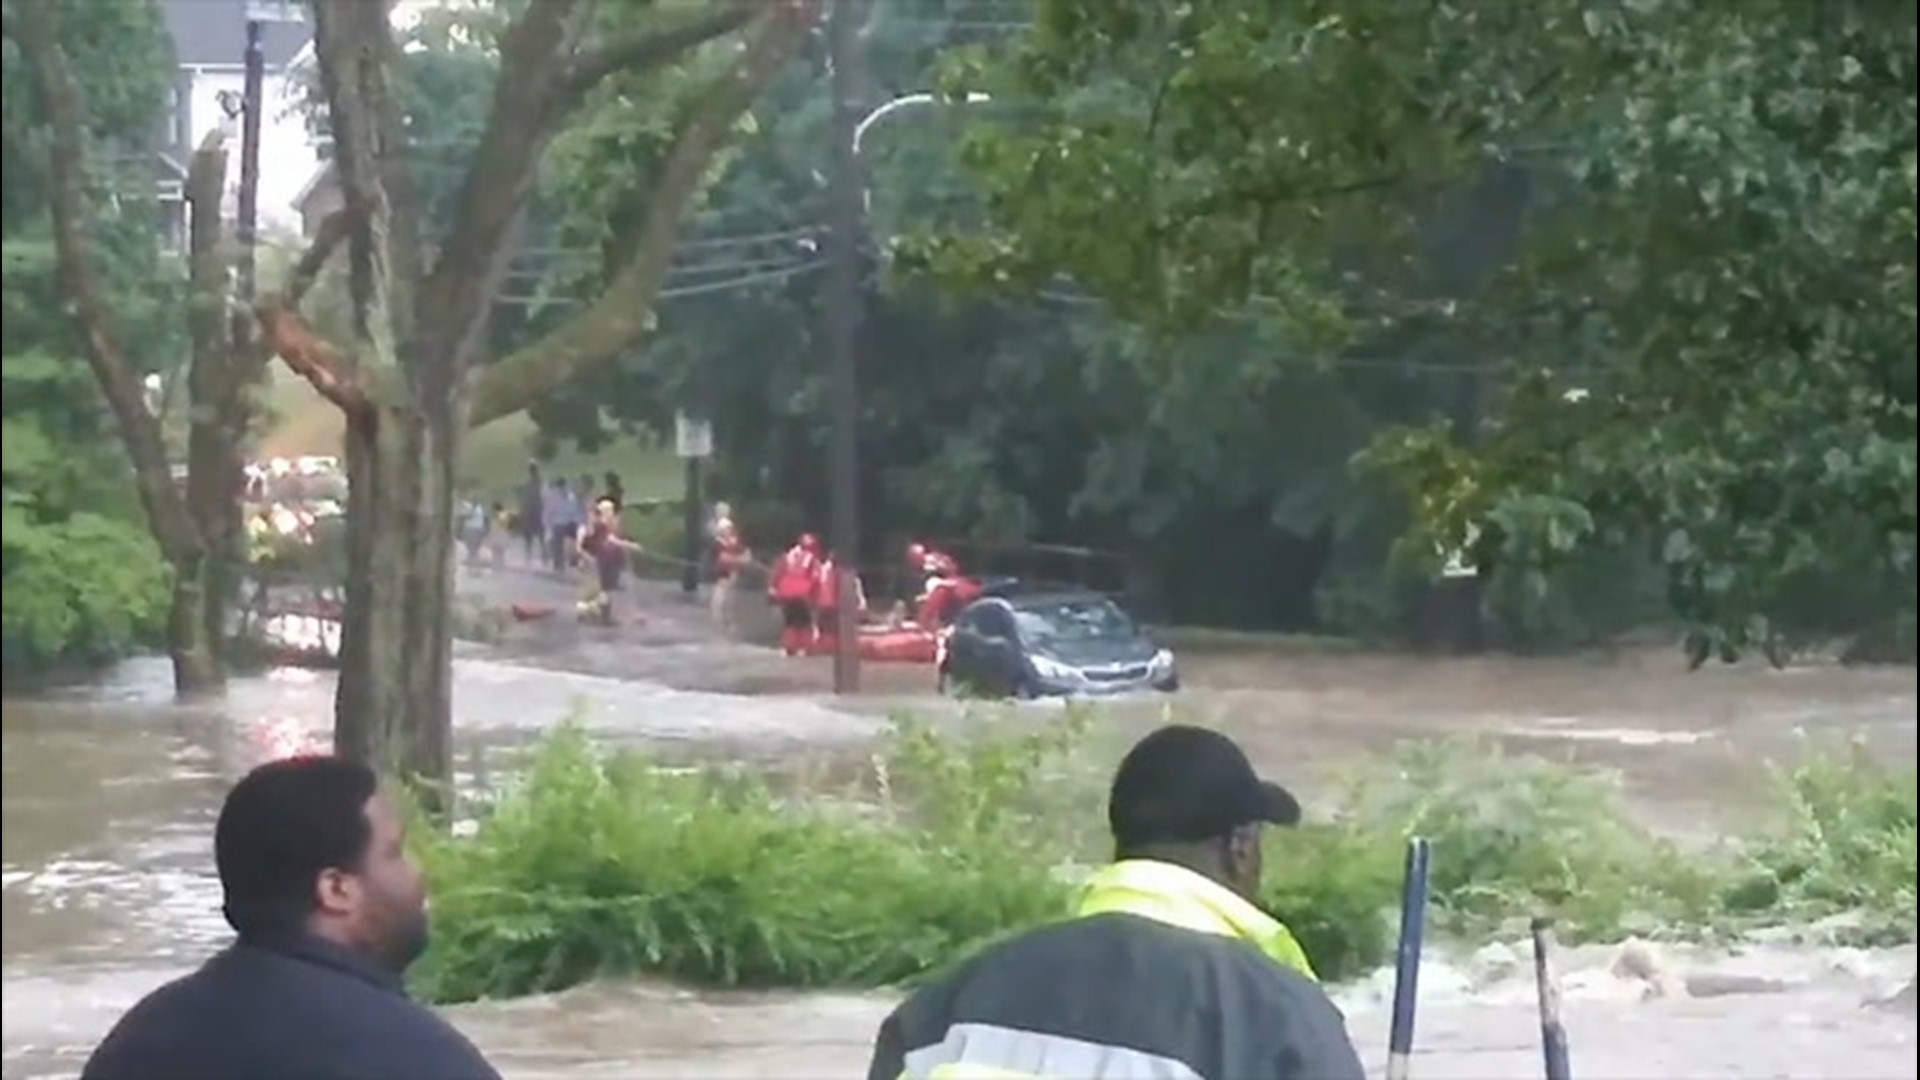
x=1102 y=651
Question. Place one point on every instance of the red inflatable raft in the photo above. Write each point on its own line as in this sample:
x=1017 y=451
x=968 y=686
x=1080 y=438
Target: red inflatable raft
x=904 y=644
x=908 y=644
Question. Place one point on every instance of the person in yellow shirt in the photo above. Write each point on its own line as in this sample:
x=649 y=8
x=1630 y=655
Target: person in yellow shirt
x=1169 y=968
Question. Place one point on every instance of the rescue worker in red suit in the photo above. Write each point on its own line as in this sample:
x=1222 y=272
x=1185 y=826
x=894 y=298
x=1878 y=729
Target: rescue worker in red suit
x=828 y=618
x=791 y=588
x=944 y=589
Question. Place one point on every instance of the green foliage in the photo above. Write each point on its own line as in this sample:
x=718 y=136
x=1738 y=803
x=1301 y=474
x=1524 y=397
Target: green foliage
x=82 y=581
x=601 y=863
x=1847 y=845
x=1696 y=264
x=608 y=863
x=995 y=420
x=84 y=588
x=124 y=58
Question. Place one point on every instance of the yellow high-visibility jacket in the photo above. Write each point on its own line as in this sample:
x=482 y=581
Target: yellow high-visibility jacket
x=1163 y=975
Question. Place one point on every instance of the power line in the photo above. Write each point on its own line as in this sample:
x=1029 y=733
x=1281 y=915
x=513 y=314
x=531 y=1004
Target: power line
x=1395 y=363
x=681 y=291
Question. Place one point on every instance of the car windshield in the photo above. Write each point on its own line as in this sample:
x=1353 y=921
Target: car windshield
x=1073 y=620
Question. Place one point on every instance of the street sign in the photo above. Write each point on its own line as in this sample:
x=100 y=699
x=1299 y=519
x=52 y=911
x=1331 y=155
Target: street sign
x=692 y=437
x=276 y=11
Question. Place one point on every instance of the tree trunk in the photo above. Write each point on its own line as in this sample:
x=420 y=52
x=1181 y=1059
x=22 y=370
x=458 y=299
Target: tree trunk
x=394 y=705
x=195 y=656
x=216 y=424
x=196 y=668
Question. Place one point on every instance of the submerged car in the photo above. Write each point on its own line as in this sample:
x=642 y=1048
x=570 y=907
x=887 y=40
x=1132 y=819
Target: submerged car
x=1051 y=644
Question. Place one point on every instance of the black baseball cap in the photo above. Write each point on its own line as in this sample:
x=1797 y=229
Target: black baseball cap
x=1184 y=783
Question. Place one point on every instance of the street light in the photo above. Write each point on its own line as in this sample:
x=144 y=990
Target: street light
x=905 y=101
x=849 y=201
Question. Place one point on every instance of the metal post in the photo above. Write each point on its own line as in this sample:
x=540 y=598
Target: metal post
x=843 y=328
x=693 y=521
x=1553 y=1033
x=1406 y=982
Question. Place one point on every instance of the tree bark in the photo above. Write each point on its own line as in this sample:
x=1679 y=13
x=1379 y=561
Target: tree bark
x=195 y=664
x=394 y=704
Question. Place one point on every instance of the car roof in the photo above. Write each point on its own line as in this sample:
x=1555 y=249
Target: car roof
x=1056 y=596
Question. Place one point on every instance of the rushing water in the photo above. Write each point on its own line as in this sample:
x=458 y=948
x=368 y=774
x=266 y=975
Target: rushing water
x=110 y=794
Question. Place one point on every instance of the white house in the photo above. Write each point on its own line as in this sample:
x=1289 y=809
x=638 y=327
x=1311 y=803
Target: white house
x=209 y=42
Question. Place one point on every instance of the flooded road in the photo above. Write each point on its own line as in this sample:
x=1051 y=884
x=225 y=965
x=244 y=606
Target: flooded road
x=110 y=794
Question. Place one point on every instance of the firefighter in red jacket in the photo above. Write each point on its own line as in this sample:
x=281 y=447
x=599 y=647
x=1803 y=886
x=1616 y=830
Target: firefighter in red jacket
x=828 y=618
x=791 y=588
x=943 y=589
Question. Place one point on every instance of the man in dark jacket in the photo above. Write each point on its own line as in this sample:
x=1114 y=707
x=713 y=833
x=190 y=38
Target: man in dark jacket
x=330 y=910
x=1170 y=971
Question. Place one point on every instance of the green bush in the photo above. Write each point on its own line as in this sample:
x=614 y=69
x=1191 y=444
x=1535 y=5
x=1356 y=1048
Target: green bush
x=81 y=590
x=602 y=863
x=605 y=863
x=1847 y=845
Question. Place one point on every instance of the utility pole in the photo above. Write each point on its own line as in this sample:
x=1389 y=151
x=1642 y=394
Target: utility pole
x=252 y=95
x=844 y=317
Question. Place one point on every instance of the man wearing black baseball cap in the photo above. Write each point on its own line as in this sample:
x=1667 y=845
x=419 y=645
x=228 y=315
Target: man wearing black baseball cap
x=1170 y=969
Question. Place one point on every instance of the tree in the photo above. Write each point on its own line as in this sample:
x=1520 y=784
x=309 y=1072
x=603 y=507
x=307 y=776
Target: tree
x=195 y=529
x=1707 y=317
x=82 y=580
x=411 y=377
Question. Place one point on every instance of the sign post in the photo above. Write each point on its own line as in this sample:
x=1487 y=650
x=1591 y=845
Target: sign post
x=692 y=443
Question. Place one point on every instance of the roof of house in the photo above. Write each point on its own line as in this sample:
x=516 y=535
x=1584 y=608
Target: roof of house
x=215 y=32
x=321 y=179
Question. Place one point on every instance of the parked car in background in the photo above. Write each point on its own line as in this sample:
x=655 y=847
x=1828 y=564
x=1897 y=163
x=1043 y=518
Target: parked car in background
x=1051 y=644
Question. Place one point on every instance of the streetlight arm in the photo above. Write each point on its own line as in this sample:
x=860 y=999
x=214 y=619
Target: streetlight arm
x=904 y=101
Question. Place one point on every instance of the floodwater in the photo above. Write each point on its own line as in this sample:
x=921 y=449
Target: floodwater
x=110 y=793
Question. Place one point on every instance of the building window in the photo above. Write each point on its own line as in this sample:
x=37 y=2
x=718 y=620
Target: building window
x=176 y=122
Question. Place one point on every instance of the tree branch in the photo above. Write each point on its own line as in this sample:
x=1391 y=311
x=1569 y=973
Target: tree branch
x=310 y=356
x=139 y=429
x=642 y=52
x=457 y=295
x=355 y=48
x=327 y=239
x=623 y=314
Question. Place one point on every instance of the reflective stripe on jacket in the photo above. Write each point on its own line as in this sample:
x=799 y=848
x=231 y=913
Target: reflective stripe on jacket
x=1164 y=976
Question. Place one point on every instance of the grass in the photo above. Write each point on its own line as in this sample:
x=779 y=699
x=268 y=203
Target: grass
x=597 y=863
x=495 y=458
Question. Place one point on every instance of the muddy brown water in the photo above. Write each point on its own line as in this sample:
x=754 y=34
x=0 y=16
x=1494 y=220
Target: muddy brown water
x=110 y=792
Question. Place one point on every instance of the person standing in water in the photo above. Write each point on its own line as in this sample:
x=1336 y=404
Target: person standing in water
x=790 y=587
x=532 y=519
x=606 y=551
x=730 y=556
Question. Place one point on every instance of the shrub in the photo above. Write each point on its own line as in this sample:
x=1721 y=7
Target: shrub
x=604 y=863
x=1845 y=844
x=82 y=590
x=601 y=863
